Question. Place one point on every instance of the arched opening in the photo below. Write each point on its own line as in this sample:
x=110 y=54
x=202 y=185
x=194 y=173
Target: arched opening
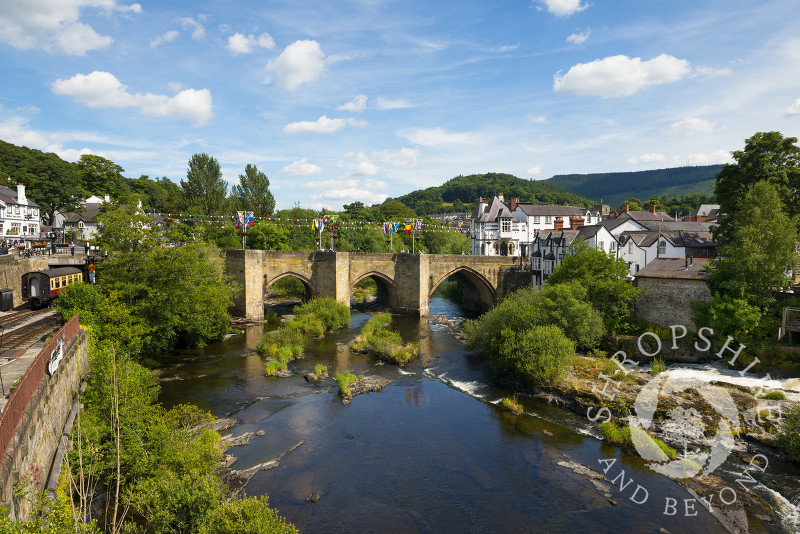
x=33 y=291
x=373 y=289
x=464 y=287
x=287 y=290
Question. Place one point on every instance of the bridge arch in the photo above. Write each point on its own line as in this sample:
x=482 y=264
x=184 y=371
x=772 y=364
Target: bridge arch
x=387 y=288
x=311 y=289
x=478 y=292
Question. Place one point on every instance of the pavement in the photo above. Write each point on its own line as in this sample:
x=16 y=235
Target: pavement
x=14 y=362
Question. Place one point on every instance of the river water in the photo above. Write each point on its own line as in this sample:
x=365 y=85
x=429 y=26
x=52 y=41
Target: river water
x=432 y=452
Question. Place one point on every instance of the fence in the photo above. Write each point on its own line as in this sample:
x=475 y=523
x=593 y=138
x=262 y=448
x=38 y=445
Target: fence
x=27 y=387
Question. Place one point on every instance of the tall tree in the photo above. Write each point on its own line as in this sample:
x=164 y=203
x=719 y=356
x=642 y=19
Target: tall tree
x=759 y=250
x=204 y=187
x=53 y=184
x=768 y=157
x=99 y=176
x=253 y=192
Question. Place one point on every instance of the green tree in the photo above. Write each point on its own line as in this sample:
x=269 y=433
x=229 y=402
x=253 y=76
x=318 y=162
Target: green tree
x=565 y=306
x=263 y=236
x=252 y=193
x=542 y=353
x=634 y=204
x=204 y=187
x=767 y=157
x=53 y=185
x=99 y=176
x=759 y=252
x=393 y=210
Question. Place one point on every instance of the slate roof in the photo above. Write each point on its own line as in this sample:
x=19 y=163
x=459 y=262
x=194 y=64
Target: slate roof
x=675 y=268
x=493 y=211
x=89 y=214
x=679 y=238
x=550 y=210
x=679 y=225
x=9 y=196
x=705 y=210
x=645 y=215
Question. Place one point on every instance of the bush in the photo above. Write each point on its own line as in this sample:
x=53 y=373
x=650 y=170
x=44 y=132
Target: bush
x=344 y=380
x=789 y=439
x=285 y=354
x=330 y=312
x=289 y=286
x=309 y=324
x=273 y=367
x=733 y=317
x=287 y=335
x=542 y=353
x=384 y=343
x=565 y=306
x=246 y=516
x=320 y=369
x=657 y=366
x=85 y=299
x=512 y=405
x=773 y=395
x=622 y=436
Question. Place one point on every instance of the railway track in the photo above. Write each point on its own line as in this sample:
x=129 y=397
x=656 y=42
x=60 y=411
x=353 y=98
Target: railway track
x=29 y=334
x=13 y=319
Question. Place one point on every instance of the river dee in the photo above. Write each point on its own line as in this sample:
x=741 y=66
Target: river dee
x=432 y=452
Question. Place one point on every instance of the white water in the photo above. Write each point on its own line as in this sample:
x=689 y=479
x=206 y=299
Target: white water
x=733 y=376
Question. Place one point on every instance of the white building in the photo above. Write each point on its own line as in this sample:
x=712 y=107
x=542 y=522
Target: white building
x=19 y=217
x=84 y=221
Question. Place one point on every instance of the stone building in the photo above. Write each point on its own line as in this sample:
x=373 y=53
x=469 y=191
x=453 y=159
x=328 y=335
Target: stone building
x=671 y=285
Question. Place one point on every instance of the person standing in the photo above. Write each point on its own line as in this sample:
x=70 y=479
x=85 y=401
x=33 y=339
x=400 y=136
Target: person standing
x=72 y=248
x=91 y=273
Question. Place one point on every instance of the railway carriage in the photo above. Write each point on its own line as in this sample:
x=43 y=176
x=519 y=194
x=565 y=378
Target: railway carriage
x=41 y=287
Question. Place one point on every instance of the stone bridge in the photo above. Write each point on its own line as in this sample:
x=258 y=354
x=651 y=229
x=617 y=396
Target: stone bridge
x=405 y=281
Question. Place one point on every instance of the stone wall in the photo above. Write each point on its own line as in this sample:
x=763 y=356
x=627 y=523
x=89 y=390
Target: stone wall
x=668 y=301
x=39 y=433
x=12 y=268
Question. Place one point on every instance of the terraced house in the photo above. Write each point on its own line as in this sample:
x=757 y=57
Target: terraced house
x=19 y=217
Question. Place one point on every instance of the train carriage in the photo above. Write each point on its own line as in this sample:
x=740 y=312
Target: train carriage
x=41 y=287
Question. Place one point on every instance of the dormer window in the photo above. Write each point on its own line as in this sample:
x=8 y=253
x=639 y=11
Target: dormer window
x=662 y=247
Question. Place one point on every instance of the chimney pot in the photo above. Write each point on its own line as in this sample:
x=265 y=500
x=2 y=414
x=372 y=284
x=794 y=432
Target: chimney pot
x=625 y=208
x=558 y=223
x=512 y=204
x=652 y=208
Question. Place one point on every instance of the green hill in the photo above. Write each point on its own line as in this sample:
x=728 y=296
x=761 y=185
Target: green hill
x=461 y=192
x=616 y=187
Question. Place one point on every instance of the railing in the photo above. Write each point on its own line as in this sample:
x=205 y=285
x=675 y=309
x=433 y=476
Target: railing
x=27 y=386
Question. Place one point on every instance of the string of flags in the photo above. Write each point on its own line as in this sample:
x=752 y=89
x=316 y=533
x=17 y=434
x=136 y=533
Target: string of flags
x=246 y=219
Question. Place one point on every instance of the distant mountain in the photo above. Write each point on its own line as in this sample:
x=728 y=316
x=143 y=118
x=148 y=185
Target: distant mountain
x=616 y=187
x=461 y=193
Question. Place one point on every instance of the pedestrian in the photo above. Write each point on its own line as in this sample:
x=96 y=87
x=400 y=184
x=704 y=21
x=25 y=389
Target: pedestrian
x=72 y=247
x=91 y=273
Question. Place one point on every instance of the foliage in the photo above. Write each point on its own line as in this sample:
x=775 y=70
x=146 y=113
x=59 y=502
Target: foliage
x=246 y=516
x=657 y=366
x=332 y=313
x=262 y=236
x=204 y=187
x=85 y=299
x=344 y=380
x=289 y=286
x=622 y=436
x=252 y=192
x=273 y=367
x=99 y=176
x=774 y=395
x=376 y=337
x=288 y=335
x=733 y=317
x=512 y=405
x=603 y=276
x=123 y=228
x=789 y=439
x=320 y=369
x=565 y=306
x=541 y=353
x=758 y=249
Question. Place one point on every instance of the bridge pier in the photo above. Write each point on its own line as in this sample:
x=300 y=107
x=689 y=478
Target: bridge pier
x=408 y=279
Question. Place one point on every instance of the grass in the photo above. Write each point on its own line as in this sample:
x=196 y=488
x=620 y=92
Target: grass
x=386 y=344
x=773 y=395
x=273 y=367
x=512 y=405
x=657 y=366
x=320 y=369
x=621 y=435
x=344 y=380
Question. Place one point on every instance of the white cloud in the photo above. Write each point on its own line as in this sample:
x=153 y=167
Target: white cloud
x=359 y=164
x=386 y=103
x=711 y=72
x=406 y=158
x=578 y=37
x=647 y=158
x=508 y=48
x=689 y=127
x=333 y=183
x=171 y=35
x=375 y=184
x=794 y=109
x=352 y=194
x=358 y=104
x=535 y=171
x=322 y=125
x=198 y=30
x=102 y=90
x=563 y=8
x=300 y=62
x=301 y=167
x=435 y=136
x=55 y=25
x=718 y=156
x=616 y=76
x=366 y=168
x=238 y=43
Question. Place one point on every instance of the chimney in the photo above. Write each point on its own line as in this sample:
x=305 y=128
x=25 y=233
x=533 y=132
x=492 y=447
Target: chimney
x=625 y=208
x=576 y=221
x=107 y=198
x=512 y=204
x=559 y=223
x=21 y=194
x=652 y=208
x=500 y=196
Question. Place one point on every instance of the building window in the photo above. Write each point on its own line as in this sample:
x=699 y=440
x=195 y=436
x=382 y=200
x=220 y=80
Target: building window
x=505 y=225
x=601 y=245
x=630 y=247
x=662 y=247
x=548 y=220
x=612 y=247
x=536 y=219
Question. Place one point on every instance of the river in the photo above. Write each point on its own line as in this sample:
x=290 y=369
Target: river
x=432 y=452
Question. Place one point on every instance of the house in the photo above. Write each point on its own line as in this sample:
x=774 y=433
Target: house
x=706 y=212
x=495 y=231
x=548 y=248
x=642 y=216
x=639 y=248
x=542 y=217
x=84 y=221
x=19 y=217
x=672 y=284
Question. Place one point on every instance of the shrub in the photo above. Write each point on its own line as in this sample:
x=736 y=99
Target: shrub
x=386 y=344
x=297 y=349
x=773 y=395
x=320 y=369
x=789 y=439
x=542 y=353
x=273 y=367
x=657 y=366
x=309 y=324
x=512 y=405
x=565 y=306
x=246 y=516
x=287 y=335
x=285 y=354
x=289 y=286
x=733 y=317
x=622 y=436
x=344 y=380
x=330 y=312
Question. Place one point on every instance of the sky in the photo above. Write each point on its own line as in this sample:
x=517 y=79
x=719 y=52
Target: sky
x=339 y=101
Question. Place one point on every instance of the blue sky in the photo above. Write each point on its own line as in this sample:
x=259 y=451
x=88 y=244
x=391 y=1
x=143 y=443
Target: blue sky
x=338 y=101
